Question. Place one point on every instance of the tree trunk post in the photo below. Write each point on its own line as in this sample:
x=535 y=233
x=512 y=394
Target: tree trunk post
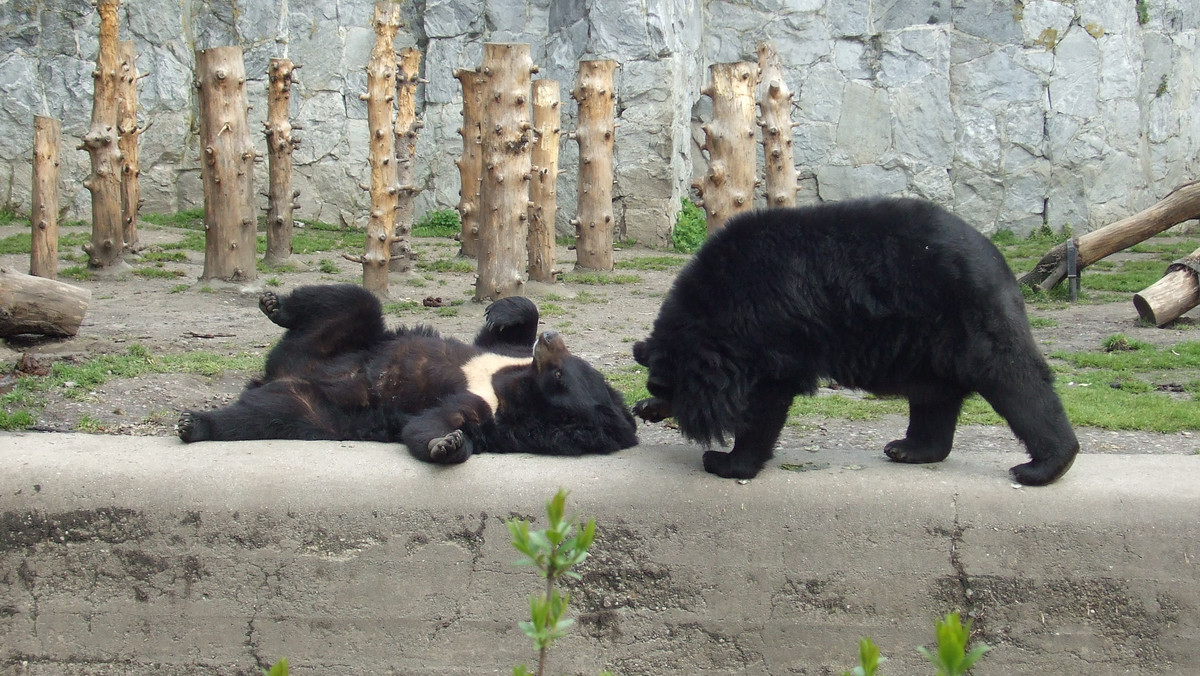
x=278 y=128
x=594 y=90
x=43 y=214
x=728 y=185
x=470 y=163
x=227 y=166
x=381 y=92
x=1181 y=204
x=775 y=104
x=402 y=256
x=504 y=188
x=41 y=306
x=1177 y=292
x=127 y=128
x=543 y=189
x=106 y=249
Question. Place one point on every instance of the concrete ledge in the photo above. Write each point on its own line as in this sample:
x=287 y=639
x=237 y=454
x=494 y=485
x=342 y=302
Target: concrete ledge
x=136 y=555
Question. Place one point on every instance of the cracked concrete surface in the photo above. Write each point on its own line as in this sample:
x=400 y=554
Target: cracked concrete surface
x=139 y=556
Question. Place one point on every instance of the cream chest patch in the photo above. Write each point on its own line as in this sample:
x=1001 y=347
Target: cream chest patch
x=479 y=371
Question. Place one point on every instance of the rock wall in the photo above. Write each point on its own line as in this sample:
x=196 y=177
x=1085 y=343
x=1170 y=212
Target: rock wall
x=1015 y=113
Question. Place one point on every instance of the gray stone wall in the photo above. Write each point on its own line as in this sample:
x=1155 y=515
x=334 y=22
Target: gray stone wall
x=1015 y=113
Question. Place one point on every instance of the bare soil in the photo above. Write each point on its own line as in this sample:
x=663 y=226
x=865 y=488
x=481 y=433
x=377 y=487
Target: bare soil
x=600 y=322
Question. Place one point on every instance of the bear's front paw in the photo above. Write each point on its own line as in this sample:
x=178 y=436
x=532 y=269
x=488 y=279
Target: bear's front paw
x=268 y=302
x=191 y=427
x=728 y=466
x=653 y=409
x=907 y=451
x=450 y=449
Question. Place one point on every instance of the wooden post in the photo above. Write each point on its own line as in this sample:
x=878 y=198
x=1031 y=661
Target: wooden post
x=278 y=128
x=1177 y=292
x=127 y=141
x=381 y=92
x=43 y=215
x=470 y=163
x=728 y=186
x=775 y=105
x=504 y=188
x=543 y=189
x=594 y=90
x=107 y=246
x=402 y=256
x=227 y=166
x=40 y=306
x=1181 y=204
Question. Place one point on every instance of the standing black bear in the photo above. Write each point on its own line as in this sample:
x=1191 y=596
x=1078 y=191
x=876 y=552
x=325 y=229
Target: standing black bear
x=892 y=296
x=339 y=373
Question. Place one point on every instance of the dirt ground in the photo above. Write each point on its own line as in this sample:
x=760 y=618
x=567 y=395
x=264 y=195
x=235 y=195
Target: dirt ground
x=599 y=321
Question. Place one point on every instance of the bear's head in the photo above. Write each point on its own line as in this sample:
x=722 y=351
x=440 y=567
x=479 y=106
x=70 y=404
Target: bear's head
x=694 y=382
x=563 y=406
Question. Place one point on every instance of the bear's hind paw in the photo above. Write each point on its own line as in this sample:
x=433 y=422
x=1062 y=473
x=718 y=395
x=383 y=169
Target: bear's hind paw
x=191 y=428
x=906 y=451
x=268 y=302
x=450 y=449
x=1041 y=473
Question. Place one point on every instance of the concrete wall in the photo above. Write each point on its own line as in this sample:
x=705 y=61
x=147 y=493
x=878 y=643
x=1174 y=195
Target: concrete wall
x=1014 y=113
x=137 y=556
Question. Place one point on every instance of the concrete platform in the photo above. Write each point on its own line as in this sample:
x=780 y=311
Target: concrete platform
x=137 y=555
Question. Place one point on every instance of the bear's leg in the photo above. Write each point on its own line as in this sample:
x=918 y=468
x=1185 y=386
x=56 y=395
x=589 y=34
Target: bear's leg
x=322 y=322
x=275 y=410
x=1035 y=415
x=754 y=442
x=436 y=435
x=931 y=422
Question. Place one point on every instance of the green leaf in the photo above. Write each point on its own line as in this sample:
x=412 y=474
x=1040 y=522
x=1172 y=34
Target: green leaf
x=280 y=668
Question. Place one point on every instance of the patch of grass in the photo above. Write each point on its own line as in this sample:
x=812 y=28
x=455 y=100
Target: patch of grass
x=401 y=307
x=448 y=311
x=328 y=267
x=1130 y=276
x=273 y=281
x=77 y=380
x=600 y=278
x=163 y=257
x=158 y=272
x=188 y=218
x=438 y=223
x=180 y=288
x=463 y=265
x=80 y=272
x=868 y=407
x=1042 y=322
x=691 y=227
x=630 y=381
x=317 y=237
x=22 y=243
x=656 y=263
x=588 y=298
x=8 y=214
x=89 y=425
x=192 y=241
x=551 y=310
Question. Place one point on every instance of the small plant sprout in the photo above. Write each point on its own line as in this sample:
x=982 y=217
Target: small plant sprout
x=952 y=658
x=868 y=659
x=554 y=551
x=280 y=668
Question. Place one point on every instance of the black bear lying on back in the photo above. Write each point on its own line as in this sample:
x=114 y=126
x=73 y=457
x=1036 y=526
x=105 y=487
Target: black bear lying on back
x=892 y=296
x=339 y=373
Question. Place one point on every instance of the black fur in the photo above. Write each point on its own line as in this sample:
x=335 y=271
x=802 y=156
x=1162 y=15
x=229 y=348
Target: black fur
x=892 y=296
x=340 y=373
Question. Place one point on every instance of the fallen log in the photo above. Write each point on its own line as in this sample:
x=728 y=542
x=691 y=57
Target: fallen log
x=1177 y=292
x=1181 y=204
x=36 y=305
